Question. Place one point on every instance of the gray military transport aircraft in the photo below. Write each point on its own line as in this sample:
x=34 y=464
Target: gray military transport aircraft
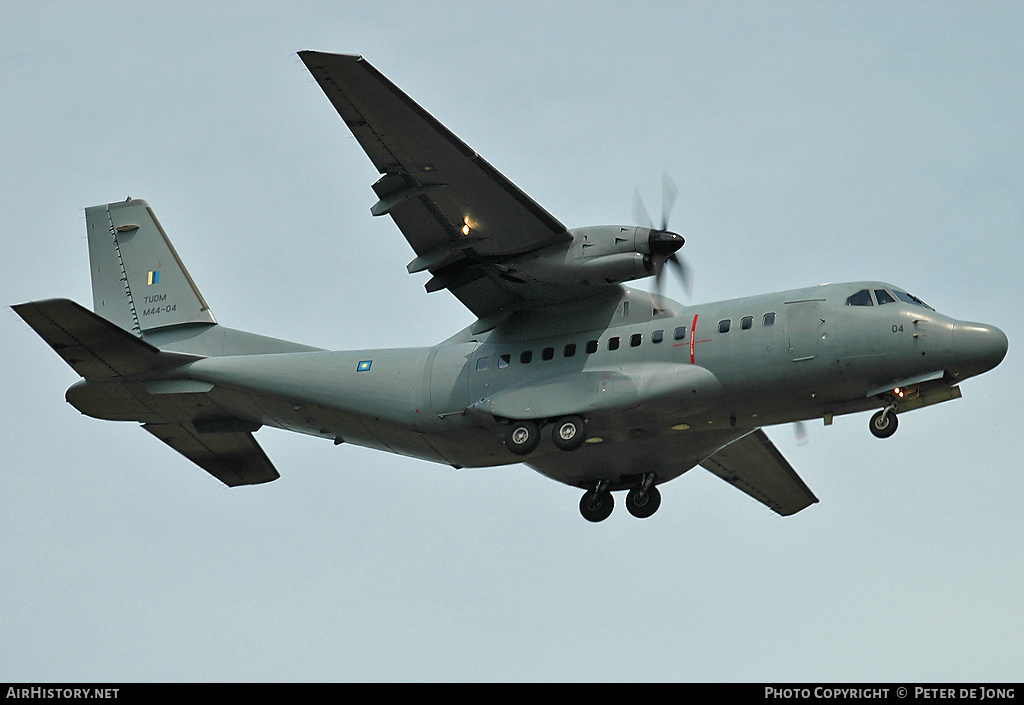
x=632 y=388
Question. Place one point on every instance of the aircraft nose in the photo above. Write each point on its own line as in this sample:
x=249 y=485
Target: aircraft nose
x=979 y=347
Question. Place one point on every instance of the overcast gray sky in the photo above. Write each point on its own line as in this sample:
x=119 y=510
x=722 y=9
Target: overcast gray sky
x=811 y=142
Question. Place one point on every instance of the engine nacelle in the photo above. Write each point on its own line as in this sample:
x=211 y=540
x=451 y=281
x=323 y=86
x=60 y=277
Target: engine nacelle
x=612 y=269
x=604 y=254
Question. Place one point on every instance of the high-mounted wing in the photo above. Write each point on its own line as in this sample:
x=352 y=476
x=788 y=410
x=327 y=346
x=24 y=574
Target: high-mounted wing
x=461 y=216
x=754 y=465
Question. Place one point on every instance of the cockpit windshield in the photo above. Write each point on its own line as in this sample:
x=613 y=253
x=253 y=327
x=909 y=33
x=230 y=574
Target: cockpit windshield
x=910 y=299
x=884 y=296
x=861 y=298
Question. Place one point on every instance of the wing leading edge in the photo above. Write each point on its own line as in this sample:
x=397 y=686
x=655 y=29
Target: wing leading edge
x=461 y=216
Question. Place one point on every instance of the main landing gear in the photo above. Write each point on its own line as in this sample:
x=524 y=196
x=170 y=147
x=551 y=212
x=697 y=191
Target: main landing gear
x=641 y=501
x=883 y=424
x=567 y=433
x=597 y=504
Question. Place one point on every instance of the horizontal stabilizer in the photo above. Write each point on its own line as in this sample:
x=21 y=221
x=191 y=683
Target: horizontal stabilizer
x=754 y=465
x=234 y=458
x=96 y=348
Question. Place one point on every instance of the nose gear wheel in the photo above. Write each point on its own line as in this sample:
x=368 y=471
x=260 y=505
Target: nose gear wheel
x=883 y=424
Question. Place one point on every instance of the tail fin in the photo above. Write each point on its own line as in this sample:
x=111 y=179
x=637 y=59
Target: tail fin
x=138 y=281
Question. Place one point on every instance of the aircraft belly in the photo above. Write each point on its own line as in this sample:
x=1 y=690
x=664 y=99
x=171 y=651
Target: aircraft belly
x=623 y=460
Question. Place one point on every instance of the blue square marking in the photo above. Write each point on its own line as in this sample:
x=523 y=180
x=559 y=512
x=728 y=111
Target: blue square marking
x=364 y=365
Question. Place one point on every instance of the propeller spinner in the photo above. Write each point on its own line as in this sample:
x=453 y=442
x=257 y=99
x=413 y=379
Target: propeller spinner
x=664 y=243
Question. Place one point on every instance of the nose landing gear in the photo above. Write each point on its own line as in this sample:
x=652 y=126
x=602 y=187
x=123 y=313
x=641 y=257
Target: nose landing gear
x=883 y=424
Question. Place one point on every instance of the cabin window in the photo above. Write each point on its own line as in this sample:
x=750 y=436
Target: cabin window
x=884 y=297
x=526 y=356
x=768 y=320
x=569 y=350
x=861 y=298
x=680 y=333
x=613 y=343
x=657 y=336
x=547 y=353
x=747 y=323
x=635 y=340
x=723 y=326
x=504 y=360
x=591 y=347
x=481 y=364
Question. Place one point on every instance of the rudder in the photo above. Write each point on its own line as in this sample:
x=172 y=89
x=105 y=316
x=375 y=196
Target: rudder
x=138 y=281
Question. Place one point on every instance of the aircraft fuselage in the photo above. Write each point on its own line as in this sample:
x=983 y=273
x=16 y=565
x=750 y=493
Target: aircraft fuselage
x=645 y=371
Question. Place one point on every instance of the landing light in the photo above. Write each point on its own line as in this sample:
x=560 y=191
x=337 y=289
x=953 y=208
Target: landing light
x=594 y=439
x=681 y=427
x=465 y=226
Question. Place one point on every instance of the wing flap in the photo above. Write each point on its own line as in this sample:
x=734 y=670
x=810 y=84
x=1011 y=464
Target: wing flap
x=234 y=458
x=754 y=465
x=96 y=348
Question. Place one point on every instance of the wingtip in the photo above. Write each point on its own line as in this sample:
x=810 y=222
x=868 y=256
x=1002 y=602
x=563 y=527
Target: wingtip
x=308 y=55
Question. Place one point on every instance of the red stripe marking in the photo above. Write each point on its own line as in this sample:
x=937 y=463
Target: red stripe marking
x=693 y=335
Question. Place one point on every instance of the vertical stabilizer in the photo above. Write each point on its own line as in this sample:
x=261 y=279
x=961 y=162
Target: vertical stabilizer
x=138 y=281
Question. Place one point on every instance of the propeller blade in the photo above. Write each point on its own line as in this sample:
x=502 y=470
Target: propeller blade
x=669 y=191
x=801 y=433
x=663 y=243
x=640 y=214
x=685 y=272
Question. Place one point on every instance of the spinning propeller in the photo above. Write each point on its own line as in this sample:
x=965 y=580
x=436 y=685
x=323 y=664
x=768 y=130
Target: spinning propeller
x=663 y=242
x=800 y=431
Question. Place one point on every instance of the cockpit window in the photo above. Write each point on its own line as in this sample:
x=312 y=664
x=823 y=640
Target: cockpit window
x=884 y=297
x=910 y=299
x=861 y=298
